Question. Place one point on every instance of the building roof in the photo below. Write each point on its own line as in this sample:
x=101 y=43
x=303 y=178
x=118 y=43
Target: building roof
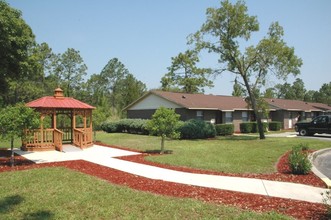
x=297 y=105
x=199 y=101
x=230 y=103
x=58 y=101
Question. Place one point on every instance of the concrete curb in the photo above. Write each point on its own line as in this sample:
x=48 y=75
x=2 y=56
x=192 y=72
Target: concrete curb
x=312 y=157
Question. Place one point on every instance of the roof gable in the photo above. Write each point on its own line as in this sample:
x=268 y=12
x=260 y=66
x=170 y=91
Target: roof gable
x=58 y=101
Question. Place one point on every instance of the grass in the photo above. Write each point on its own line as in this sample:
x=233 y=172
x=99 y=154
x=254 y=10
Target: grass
x=234 y=154
x=6 y=143
x=60 y=193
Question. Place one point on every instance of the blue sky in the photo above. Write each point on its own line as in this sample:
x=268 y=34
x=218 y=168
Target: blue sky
x=145 y=34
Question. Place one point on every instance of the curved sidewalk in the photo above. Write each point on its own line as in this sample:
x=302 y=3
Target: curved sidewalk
x=105 y=156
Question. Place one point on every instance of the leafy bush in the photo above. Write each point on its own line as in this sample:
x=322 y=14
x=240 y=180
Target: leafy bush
x=224 y=129
x=197 y=129
x=246 y=127
x=110 y=126
x=255 y=128
x=275 y=125
x=251 y=127
x=132 y=126
x=298 y=160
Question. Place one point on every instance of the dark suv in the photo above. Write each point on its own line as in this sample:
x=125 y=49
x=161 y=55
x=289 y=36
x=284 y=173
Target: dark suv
x=320 y=124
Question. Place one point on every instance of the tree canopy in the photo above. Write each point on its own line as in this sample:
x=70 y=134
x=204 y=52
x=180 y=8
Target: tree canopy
x=164 y=123
x=226 y=29
x=16 y=41
x=185 y=75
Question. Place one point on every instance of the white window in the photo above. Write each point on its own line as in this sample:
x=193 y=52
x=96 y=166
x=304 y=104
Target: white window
x=244 y=116
x=200 y=115
x=228 y=117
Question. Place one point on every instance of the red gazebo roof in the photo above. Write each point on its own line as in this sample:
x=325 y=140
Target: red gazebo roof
x=58 y=101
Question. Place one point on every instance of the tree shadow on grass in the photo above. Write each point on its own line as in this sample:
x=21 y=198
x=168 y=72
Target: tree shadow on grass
x=39 y=215
x=239 y=138
x=158 y=151
x=8 y=203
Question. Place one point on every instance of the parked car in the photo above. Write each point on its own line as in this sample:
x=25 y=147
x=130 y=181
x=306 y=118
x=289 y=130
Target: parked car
x=320 y=125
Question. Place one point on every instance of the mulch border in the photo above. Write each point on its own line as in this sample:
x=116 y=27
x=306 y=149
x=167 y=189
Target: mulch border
x=296 y=209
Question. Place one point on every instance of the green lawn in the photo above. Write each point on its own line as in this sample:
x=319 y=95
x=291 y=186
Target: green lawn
x=6 y=144
x=236 y=154
x=60 y=193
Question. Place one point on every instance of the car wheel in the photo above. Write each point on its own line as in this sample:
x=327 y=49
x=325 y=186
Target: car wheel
x=303 y=132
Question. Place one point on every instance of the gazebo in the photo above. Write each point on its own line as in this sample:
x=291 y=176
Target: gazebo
x=63 y=120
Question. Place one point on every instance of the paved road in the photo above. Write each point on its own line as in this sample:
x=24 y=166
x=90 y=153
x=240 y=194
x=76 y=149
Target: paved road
x=323 y=163
x=323 y=137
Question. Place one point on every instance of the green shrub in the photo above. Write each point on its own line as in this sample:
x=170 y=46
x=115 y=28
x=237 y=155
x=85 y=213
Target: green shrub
x=298 y=160
x=251 y=127
x=224 y=129
x=246 y=127
x=132 y=126
x=110 y=126
x=275 y=125
x=197 y=129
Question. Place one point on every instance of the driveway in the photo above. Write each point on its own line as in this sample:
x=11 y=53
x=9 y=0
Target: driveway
x=323 y=137
x=323 y=162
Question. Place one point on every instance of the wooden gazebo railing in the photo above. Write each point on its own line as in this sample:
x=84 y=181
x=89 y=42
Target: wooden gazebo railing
x=43 y=139
x=83 y=137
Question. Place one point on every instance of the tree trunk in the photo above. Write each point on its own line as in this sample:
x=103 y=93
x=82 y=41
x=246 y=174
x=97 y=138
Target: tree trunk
x=256 y=111
x=12 y=152
x=162 y=144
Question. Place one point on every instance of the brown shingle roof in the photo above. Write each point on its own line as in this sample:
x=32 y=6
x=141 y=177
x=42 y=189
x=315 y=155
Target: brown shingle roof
x=230 y=103
x=294 y=105
x=201 y=101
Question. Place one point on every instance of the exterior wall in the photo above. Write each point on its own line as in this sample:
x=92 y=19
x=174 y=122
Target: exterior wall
x=153 y=102
x=236 y=119
x=143 y=113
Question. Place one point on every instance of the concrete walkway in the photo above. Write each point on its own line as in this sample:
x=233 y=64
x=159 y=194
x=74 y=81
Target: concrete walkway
x=105 y=156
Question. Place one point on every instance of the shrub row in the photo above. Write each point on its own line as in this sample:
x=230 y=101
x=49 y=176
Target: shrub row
x=132 y=126
x=251 y=127
x=192 y=129
x=197 y=129
x=275 y=125
x=224 y=129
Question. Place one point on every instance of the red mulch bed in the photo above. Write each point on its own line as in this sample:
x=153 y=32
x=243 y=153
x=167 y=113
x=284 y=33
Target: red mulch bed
x=296 y=209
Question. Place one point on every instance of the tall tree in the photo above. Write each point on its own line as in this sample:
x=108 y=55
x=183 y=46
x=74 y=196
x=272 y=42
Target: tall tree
x=16 y=38
x=324 y=94
x=228 y=26
x=238 y=90
x=269 y=93
x=111 y=75
x=131 y=89
x=296 y=91
x=70 y=69
x=184 y=73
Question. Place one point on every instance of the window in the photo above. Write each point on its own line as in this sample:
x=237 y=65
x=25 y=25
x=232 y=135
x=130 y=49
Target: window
x=228 y=117
x=200 y=115
x=244 y=116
